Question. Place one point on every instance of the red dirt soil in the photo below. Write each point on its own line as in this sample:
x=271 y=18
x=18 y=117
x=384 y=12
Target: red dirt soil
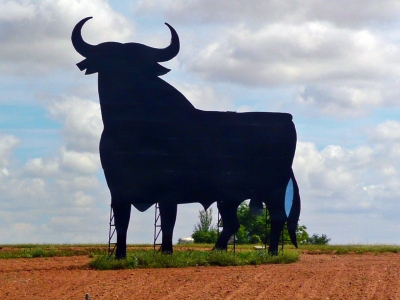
x=323 y=276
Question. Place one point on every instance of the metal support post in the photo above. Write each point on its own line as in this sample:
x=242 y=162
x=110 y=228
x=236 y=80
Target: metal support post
x=111 y=232
x=157 y=226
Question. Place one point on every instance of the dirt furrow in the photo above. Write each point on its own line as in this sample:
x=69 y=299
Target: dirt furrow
x=364 y=276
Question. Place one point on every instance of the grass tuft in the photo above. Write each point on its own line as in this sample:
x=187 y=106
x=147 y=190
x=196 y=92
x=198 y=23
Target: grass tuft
x=190 y=258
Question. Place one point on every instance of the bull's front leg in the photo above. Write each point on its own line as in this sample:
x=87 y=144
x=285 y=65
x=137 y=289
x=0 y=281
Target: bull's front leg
x=122 y=213
x=230 y=222
x=168 y=218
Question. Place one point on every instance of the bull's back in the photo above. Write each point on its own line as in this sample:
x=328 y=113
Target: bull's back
x=193 y=140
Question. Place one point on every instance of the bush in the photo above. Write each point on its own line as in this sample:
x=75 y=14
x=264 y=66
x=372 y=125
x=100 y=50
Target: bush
x=205 y=237
x=315 y=239
x=255 y=239
x=204 y=231
x=241 y=236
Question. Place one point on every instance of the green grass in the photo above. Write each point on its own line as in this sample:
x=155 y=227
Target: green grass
x=183 y=256
x=210 y=246
x=32 y=251
x=315 y=249
x=191 y=258
x=348 y=249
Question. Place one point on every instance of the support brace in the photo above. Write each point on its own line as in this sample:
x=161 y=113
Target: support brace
x=157 y=226
x=111 y=245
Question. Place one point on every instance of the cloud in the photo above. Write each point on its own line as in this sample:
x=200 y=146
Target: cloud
x=358 y=13
x=204 y=97
x=388 y=131
x=341 y=100
x=40 y=167
x=46 y=198
x=339 y=70
x=35 y=35
x=342 y=57
x=44 y=194
x=86 y=162
x=11 y=10
x=8 y=143
x=361 y=180
x=81 y=120
x=268 y=57
x=341 y=12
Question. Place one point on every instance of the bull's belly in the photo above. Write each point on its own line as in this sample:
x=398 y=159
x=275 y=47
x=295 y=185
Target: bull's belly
x=195 y=163
x=183 y=186
x=201 y=155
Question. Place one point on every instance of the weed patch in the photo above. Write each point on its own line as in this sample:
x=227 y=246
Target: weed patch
x=181 y=259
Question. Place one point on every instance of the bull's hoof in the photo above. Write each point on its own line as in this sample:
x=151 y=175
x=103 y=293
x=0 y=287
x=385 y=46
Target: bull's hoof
x=219 y=248
x=167 y=250
x=273 y=252
x=120 y=255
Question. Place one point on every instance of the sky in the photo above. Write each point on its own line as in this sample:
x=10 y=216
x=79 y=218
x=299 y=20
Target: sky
x=334 y=65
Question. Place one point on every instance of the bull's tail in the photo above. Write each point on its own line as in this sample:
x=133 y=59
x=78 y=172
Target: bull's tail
x=292 y=205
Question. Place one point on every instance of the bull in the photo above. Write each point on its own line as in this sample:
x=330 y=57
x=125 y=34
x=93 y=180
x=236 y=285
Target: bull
x=156 y=147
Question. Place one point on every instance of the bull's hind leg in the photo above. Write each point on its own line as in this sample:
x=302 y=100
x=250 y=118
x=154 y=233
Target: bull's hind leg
x=168 y=218
x=277 y=223
x=228 y=211
x=276 y=209
x=122 y=213
x=294 y=214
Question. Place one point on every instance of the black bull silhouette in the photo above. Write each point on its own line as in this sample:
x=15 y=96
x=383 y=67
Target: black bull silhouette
x=156 y=147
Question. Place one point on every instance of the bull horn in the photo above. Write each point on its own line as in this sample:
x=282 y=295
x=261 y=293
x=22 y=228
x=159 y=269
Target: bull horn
x=172 y=50
x=79 y=44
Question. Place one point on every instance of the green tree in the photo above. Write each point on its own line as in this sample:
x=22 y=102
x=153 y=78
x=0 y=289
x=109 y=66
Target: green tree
x=204 y=231
x=301 y=234
x=205 y=221
x=253 y=229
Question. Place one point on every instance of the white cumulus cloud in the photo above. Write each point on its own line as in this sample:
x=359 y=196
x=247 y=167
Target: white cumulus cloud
x=80 y=162
x=82 y=122
x=36 y=34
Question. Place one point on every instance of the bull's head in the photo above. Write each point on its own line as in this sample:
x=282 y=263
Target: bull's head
x=117 y=57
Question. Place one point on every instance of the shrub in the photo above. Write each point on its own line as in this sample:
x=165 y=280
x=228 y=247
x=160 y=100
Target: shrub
x=255 y=239
x=205 y=237
x=315 y=239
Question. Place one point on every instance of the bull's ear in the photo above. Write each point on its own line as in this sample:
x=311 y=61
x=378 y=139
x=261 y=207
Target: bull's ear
x=83 y=64
x=89 y=65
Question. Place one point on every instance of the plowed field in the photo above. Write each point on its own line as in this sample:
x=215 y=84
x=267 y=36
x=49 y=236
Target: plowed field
x=365 y=276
